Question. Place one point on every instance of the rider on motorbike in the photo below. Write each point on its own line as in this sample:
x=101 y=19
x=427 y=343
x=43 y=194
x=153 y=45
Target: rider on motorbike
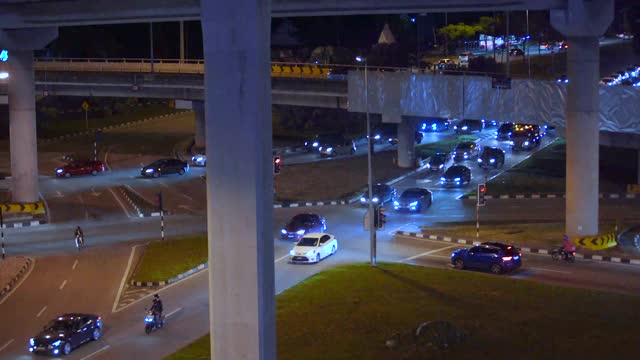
x=156 y=308
x=78 y=234
x=567 y=248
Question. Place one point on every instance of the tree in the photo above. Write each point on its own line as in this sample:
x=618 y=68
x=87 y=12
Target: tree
x=457 y=31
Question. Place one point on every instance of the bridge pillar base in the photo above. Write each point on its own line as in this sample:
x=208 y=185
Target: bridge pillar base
x=236 y=37
x=406 y=143
x=22 y=127
x=198 y=109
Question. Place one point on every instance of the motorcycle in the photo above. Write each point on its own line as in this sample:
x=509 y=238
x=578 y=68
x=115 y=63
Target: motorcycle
x=150 y=322
x=79 y=242
x=558 y=254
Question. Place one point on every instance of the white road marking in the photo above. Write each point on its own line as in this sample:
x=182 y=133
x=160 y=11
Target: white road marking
x=33 y=265
x=281 y=258
x=119 y=202
x=74 y=265
x=163 y=184
x=59 y=194
x=63 y=284
x=556 y=271
x=173 y=312
x=6 y=344
x=96 y=352
x=428 y=252
x=124 y=277
x=106 y=158
x=392 y=232
x=41 y=311
x=188 y=197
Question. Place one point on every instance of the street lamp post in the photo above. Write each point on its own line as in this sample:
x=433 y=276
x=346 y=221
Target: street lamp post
x=372 y=229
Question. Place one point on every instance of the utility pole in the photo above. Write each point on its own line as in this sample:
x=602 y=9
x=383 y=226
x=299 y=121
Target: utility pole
x=526 y=47
x=151 y=43
x=161 y=215
x=507 y=40
x=2 y=233
x=181 y=41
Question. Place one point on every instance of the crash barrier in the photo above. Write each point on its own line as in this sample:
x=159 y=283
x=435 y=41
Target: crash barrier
x=633 y=188
x=600 y=242
x=16 y=208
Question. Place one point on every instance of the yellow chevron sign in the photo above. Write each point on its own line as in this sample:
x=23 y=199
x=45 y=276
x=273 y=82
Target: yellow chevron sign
x=31 y=208
x=598 y=242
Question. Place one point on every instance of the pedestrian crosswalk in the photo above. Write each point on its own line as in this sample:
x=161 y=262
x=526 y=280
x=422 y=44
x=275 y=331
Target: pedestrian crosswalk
x=131 y=293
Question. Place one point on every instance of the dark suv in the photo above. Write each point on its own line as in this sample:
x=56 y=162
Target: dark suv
x=468 y=125
x=493 y=256
x=491 y=156
x=504 y=131
x=164 y=167
x=437 y=162
x=465 y=150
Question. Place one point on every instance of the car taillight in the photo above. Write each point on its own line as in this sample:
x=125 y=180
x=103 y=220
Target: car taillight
x=507 y=258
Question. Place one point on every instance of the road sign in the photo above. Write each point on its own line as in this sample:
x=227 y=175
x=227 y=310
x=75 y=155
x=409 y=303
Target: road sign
x=4 y=55
x=85 y=106
x=633 y=188
x=598 y=242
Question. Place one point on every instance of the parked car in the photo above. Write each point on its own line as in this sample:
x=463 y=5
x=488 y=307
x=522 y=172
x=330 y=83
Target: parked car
x=165 y=167
x=437 y=162
x=492 y=256
x=435 y=125
x=338 y=147
x=318 y=141
x=313 y=247
x=302 y=224
x=80 y=167
x=465 y=150
x=504 y=131
x=199 y=160
x=491 y=156
x=381 y=194
x=468 y=126
x=65 y=333
x=413 y=199
x=456 y=175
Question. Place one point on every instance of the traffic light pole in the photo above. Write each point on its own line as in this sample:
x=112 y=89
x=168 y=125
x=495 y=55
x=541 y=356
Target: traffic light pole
x=477 y=221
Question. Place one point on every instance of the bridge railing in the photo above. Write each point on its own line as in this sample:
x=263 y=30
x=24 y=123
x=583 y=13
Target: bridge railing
x=196 y=66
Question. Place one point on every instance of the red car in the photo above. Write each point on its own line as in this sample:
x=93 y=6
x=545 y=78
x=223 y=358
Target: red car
x=80 y=167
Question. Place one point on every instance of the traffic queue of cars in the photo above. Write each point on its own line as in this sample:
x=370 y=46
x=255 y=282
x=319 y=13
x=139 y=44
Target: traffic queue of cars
x=630 y=76
x=155 y=169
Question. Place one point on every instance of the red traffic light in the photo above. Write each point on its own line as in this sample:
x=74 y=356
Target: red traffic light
x=483 y=189
x=277 y=160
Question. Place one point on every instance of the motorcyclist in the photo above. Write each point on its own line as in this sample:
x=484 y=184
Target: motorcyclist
x=567 y=247
x=156 y=309
x=79 y=234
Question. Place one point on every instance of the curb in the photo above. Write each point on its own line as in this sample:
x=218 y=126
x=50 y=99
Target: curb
x=8 y=287
x=138 y=203
x=21 y=224
x=601 y=258
x=172 y=280
x=547 y=196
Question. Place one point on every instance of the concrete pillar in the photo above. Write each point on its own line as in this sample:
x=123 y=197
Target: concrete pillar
x=582 y=22
x=198 y=109
x=638 y=169
x=22 y=127
x=236 y=36
x=406 y=143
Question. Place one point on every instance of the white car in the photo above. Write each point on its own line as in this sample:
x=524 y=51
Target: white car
x=199 y=160
x=313 y=247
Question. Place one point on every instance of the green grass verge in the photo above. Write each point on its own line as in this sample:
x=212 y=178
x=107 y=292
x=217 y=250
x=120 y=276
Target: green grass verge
x=163 y=260
x=350 y=311
x=427 y=150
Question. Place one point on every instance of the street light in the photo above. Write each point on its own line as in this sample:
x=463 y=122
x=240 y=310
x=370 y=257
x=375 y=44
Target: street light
x=372 y=229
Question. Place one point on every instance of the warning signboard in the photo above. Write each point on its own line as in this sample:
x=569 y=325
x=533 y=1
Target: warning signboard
x=598 y=242
x=85 y=106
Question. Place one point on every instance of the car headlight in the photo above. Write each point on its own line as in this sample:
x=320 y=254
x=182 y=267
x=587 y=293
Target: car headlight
x=396 y=203
x=466 y=155
x=415 y=203
x=56 y=343
x=329 y=149
x=375 y=199
x=315 y=144
x=434 y=126
x=465 y=127
x=511 y=143
x=441 y=166
x=509 y=133
x=479 y=160
x=526 y=143
x=32 y=342
x=492 y=161
x=200 y=158
x=149 y=171
x=300 y=232
x=320 y=148
x=443 y=179
x=424 y=126
x=59 y=171
x=428 y=166
x=292 y=252
x=377 y=137
x=363 y=199
x=306 y=143
x=456 y=179
x=283 y=231
x=455 y=127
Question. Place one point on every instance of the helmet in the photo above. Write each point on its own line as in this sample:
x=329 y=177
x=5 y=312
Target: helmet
x=156 y=296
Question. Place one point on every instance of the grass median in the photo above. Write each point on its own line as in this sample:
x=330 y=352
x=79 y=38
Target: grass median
x=350 y=311
x=163 y=260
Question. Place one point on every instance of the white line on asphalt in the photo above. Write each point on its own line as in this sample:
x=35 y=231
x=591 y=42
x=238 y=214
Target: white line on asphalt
x=124 y=277
x=119 y=202
x=41 y=311
x=163 y=184
x=6 y=344
x=63 y=284
x=188 y=197
x=557 y=271
x=173 y=312
x=428 y=252
x=106 y=158
x=282 y=257
x=96 y=352
x=33 y=265
x=74 y=265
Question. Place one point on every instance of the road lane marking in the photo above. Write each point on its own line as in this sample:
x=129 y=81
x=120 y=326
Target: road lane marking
x=41 y=311
x=163 y=184
x=557 y=271
x=428 y=252
x=106 y=158
x=63 y=284
x=74 y=265
x=6 y=344
x=173 y=312
x=188 y=197
x=124 y=277
x=119 y=202
x=33 y=265
x=281 y=258
x=96 y=352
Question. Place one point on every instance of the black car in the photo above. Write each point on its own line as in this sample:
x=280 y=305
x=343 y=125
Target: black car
x=65 y=333
x=339 y=147
x=493 y=256
x=468 y=126
x=164 y=167
x=456 y=175
x=516 y=52
x=491 y=156
x=437 y=162
x=504 y=131
x=465 y=150
x=318 y=141
x=388 y=132
x=413 y=199
x=381 y=194
x=525 y=137
x=301 y=225
x=435 y=125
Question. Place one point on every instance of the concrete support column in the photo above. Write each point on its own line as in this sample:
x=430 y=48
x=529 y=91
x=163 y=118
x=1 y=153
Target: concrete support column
x=198 y=109
x=406 y=143
x=236 y=38
x=638 y=177
x=22 y=127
